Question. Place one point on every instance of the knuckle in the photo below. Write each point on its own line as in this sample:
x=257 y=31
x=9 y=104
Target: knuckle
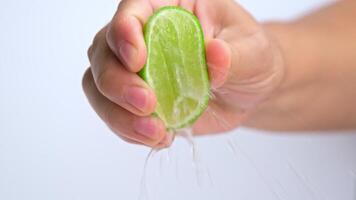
x=90 y=52
x=99 y=36
x=104 y=82
x=86 y=80
x=98 y=39
x=121 y=4
x=109 y=118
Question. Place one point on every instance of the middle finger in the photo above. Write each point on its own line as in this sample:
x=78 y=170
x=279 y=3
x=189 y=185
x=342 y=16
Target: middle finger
x=122 y=87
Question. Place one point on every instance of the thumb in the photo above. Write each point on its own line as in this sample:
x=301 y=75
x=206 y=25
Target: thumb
x=218 y=55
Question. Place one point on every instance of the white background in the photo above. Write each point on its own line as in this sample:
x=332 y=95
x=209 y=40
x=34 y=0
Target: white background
x=53 y=146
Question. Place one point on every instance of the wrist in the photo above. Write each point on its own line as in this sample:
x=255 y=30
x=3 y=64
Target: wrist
x=299 y=56
x=299 y=50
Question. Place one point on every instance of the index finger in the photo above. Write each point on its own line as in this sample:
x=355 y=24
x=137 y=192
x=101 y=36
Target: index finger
x=125 y=32
x=124 y=35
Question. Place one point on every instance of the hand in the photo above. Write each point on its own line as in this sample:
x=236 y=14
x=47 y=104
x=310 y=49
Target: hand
x=245 y=67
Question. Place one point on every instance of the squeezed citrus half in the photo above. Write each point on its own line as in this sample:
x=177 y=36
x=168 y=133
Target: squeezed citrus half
x=176 y=66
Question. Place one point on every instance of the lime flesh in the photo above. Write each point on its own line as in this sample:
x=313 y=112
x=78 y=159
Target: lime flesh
x=176 y=67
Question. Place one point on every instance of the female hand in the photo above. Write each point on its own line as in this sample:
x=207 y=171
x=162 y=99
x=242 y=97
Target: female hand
x=245 y=66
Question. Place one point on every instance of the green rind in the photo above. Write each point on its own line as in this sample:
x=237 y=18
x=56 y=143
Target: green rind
x=143 y=75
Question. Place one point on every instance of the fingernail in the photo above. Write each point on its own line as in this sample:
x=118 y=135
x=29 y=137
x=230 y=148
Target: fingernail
x=146 y=127
x=137 y=97
x=128 y=53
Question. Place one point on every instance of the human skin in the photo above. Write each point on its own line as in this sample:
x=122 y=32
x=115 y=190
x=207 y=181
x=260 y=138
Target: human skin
x=291 y=76
x=319 y=88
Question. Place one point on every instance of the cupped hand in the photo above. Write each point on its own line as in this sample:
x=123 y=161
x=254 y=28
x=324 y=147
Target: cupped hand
x=245 y=66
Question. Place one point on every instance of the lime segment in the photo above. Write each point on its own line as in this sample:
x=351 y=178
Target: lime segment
x=176 y=66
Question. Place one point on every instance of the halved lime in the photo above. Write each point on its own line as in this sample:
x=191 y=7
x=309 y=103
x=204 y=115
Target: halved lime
x=176 y=66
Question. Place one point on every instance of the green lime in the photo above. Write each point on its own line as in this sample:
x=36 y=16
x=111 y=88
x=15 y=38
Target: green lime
x=176 y=66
